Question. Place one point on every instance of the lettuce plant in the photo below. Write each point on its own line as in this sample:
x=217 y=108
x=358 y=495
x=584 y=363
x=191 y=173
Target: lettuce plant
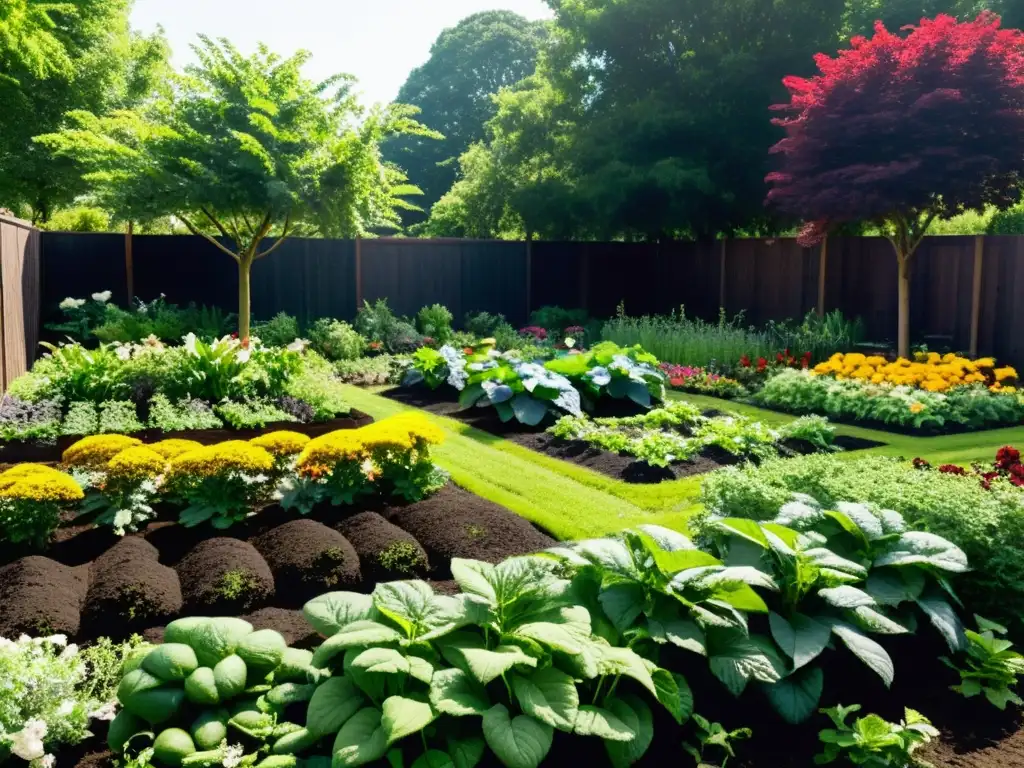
x=499 y=667
x=872 y=741
x=990 y=666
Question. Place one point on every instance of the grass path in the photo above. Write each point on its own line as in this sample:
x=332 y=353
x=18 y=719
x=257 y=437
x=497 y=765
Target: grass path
x=568 y=501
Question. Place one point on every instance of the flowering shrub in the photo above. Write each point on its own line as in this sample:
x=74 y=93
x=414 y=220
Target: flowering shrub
x=929 y=371
x=534 y=332
x=222 y=483
x=122 y=494
x=342 y=465
x=31 y=497
x=174 y=447
x=702 y=381
x=48 y=696
x=95 y=451
x=1007 y=466
x=281 y=443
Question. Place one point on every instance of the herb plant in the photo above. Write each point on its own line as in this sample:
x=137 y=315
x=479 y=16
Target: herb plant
x=184 y=415
x=119 y=417
x=435 y=321
x=990 y=666
x=21 y=420
x=250 y=414
x=336 y=340
x=717 y=738
x=872 y=741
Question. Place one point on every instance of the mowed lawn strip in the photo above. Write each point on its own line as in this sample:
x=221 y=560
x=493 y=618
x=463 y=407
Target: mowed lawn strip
x=568 y=501
x=963 y=448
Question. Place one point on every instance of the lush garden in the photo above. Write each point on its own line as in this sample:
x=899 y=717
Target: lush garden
x=457 y=543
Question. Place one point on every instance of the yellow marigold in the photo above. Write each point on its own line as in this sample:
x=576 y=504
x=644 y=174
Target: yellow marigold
x=875 y=360
x=95 y=451
x=854 y=358
x=997 y=387
x=418 y=426
x=935 y=385
x=1002 y=374
x=864 y=372
x=837 y=357
x=933 y=357
x=175 y=447
x=138 y=463
x=985 y=362
x=38 y=483
x=330 y=449
x=1009 y=390
x=948 y=357
x=282 y=443
x=972 y=378
x=826 y=367
x=878 y=378
x=213 y=460
x=916 y=407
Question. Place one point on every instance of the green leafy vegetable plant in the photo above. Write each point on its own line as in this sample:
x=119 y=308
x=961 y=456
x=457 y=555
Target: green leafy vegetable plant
x=873 y=742
x=990 y=666
x=715 y=736
x=435 y=321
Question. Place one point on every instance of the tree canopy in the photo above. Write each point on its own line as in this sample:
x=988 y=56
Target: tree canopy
x=900 y=129
x=469 y=63
x=241 y=149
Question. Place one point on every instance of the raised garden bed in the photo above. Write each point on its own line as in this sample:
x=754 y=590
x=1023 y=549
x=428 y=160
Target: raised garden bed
x=51 y=451
x=91 y=583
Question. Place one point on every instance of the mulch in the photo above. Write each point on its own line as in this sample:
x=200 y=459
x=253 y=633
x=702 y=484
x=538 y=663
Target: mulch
x=47 y=451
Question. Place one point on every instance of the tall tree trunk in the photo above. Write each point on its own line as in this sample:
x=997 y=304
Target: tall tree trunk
x=244 y=267
x=903 y=322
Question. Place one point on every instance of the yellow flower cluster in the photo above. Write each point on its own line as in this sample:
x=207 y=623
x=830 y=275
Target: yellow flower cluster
x=213 y=460
x=175 y=447
x=405 y=432
x=138 y=463
x=931 y=372
x=95 y=451
x=283 y=443
x=34 y=482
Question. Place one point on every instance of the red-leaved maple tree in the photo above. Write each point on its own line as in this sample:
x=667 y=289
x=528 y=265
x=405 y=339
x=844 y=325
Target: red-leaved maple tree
x=903 y=128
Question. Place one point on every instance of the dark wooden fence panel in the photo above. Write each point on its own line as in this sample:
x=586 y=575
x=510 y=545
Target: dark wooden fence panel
x=941 y=287
x=19 y=297
x=557 y=276
x=307 y=278
x=770 y=279
x=1002 y=299
x=76 y=265
x=185 y=268
x=494 y=279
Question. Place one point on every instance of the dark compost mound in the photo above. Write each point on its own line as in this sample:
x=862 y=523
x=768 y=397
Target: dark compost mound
x=39 y=596
x=455 y=523
x=307 y=559
x=224 y=577
x=386 y=552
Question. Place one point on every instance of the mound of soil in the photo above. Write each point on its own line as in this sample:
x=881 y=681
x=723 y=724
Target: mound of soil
x=455 y=523
x=290 y=623
x=224 y=577
x=39 y=596
x=307 y=559
x=386 y=552
x=130 y=589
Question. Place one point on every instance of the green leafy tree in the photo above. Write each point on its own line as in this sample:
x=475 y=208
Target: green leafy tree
x=245 y=149
x=91 y=61
x=468 y=64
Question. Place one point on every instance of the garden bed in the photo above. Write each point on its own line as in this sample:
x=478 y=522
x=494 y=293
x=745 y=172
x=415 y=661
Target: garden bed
x=40 y=451
x=90 y=583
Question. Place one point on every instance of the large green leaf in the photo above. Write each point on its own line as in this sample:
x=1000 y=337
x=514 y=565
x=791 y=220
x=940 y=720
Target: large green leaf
x=637 y=716
x=626 y=661
x=921 y=548
x=466 y=751
x=748 y=529
x=796 y=697
x=742 y=598
x=402 y=716
x=685 y=633
x=330 y=613
x=944 y=619
x=597 y=721
x=333 y=703
x=673 y=692
x=474 y=577
x=361 y=740
x=673 y=562
x=866 y=649
x=356 y=634
x=482 y=664
x=846 y=596
x=549 y=696
x=801 y=638
x=892 y=586
x=519 y=742
x=736 y=659
x=434 y=758
x=384 y=661
x=622 y=604
x=666 y=539
x=611 y=554
x=559 y=637
x=454 y=692
x=422 y=614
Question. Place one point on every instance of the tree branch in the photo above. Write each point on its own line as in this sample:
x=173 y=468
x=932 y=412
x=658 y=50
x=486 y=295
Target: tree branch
x=217 y=223
x=248 y=224
x=195 y=231
x=284 y=236
x=918 y=236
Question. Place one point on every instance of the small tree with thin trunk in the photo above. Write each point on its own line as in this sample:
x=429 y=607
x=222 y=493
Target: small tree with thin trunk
x=901 y=129
x=246 y=152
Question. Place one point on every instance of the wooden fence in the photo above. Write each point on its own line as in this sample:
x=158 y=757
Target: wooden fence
x=19 y=297
x=965 y=289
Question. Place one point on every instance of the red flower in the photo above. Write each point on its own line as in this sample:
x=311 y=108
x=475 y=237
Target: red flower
x=779 y=358
x=745 y=361
x=234 y=335
x=1007 y=456
x=920 y=463
x=952 y=469
x=762 y=363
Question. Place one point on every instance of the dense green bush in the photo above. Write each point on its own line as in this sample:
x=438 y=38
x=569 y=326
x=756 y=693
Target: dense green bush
x=987 y=524
x=279 y=331
x=373 y=371
x=402 y=339
x=483 y=324
x=336 y=340
x=435 y=321
x=374 y=321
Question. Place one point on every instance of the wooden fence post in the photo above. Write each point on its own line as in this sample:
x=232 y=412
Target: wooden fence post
x=129 y=263
x=822 y=265
x=721 y=277
x=3 y=317
x=359 y=273
x=979 y=252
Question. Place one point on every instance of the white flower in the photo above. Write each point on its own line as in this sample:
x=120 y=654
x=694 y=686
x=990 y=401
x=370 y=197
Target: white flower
x=66 y=708
x=48 y=761
x=107 y=712
x=28 y=742
x=190 y=344
x=58 y=640
x=123 y=352
x=233 y=756
x=71 y=650
x=70 y=303
x=243 y=355
x=102 y=297
x=299 y=345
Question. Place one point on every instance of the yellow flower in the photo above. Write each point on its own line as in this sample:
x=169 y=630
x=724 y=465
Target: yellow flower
x=330 y=449
x=916 y=407
x=854 y=358
x=876 y=360
x=986 y=362
x=878 y=378
x=282 y=443
x=33 y=482
x=948 y=357
x=213 y=460
x=138 y=463
x=175 y=447
x=1002 y=374
x=1009 y=390
x=95 y=451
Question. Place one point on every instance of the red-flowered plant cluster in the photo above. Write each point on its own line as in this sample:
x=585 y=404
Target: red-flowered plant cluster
x=1007 y=465
x=694 y=379
x=535 y=332
x=783 y=359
